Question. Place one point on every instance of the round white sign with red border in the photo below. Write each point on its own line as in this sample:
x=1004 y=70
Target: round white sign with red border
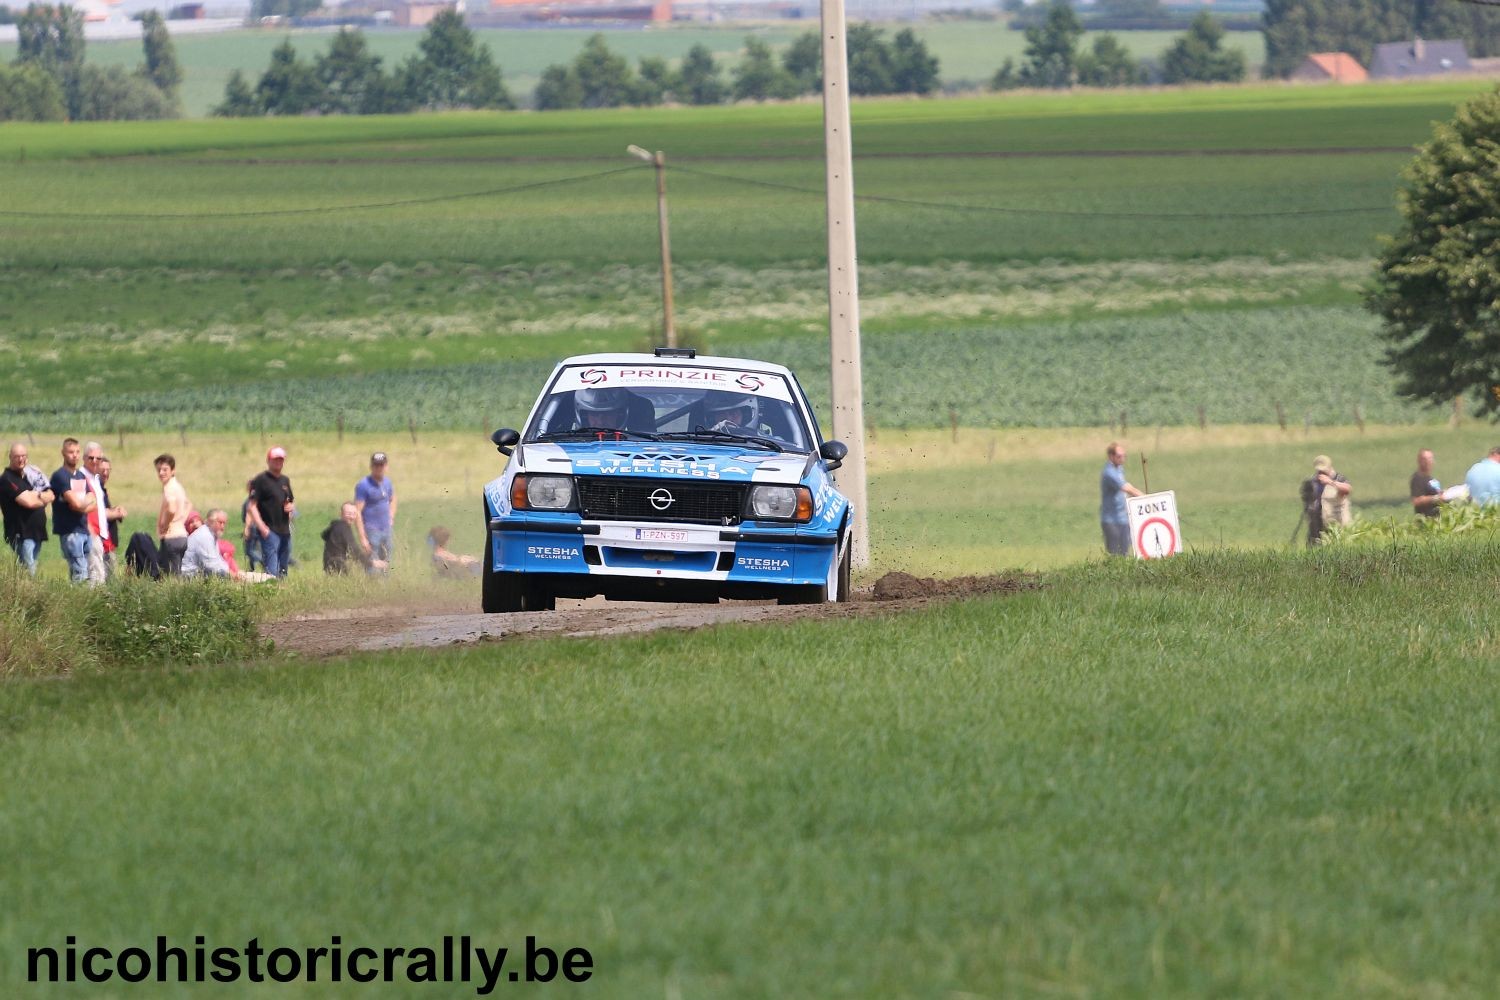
x=1154 y=530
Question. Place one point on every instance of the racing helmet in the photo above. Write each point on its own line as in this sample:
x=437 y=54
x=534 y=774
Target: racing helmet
x=600 y=407
x=741 y=409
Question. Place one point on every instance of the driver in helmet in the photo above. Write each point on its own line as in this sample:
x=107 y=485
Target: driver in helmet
x=602 y=408
x=735 y=413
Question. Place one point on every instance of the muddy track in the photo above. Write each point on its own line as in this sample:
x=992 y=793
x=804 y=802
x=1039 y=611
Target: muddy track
x=336 y=633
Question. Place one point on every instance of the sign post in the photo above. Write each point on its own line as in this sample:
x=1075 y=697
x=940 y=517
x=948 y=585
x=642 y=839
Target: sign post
x=1154 y=530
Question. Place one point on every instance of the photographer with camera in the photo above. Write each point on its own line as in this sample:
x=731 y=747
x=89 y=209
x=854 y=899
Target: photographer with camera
x=1325 y=499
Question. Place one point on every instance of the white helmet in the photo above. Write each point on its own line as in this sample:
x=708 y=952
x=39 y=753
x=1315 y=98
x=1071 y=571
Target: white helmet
x=602 y=402
x=721 y=406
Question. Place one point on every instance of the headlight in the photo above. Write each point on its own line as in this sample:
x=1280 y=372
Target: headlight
x=542 y=492
x=781 y=503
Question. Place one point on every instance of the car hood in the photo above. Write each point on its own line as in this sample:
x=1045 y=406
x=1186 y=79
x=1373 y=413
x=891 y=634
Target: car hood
x=665 y=460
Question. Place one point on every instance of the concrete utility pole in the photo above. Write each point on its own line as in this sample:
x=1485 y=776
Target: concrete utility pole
x=843 y=278
x=659 y=160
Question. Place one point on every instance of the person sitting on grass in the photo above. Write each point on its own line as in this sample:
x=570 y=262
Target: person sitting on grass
x=201 y=557
x=445 y=563
x=341 y=547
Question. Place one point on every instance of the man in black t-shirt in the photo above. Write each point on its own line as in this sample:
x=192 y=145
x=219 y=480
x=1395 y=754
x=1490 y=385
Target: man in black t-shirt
x=271 y=508
x=1426 y=491
x=24 y=509
x=70 y=511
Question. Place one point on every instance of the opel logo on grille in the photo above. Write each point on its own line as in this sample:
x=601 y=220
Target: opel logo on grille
x=661 y=499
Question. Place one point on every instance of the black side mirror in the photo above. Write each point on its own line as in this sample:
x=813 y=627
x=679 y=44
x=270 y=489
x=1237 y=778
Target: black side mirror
x=833 y=452
x=505 y=439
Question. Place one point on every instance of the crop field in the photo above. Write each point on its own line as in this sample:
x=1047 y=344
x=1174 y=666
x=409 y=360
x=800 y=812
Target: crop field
x=969 y=52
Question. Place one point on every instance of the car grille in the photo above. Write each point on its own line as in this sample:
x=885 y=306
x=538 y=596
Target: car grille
x=631 y=500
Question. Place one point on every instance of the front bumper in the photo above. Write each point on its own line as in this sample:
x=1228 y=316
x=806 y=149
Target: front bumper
x=752 y=554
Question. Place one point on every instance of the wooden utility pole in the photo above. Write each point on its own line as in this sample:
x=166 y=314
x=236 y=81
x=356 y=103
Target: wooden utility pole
x=659 y=161
x=843 y=279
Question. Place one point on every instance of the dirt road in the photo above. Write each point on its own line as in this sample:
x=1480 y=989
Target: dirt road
x=368 y=629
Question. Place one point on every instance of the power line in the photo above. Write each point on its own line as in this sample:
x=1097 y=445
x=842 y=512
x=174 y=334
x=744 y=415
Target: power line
x=320 y=210
x=1059 y=212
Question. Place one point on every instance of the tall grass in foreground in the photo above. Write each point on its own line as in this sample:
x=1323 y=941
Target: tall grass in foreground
x=1224 y=775
x=49 y=627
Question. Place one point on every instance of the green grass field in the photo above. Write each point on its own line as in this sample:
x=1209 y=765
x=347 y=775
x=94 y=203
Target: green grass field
x=1231 y=775
x=969 y=52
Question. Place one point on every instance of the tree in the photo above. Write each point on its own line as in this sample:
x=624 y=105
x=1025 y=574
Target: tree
x=1051 y=49
x=29 y=93
x=558 y=89
x=653 y=81
x=1107 y=64
x=51 y=38
x=161 y=66
x=288 y=86
x=699 y=81
x=1197 y=57
x=1006 y=77
x=1438 y=279
x=350 y=76
x=112 y=94
x=239 y=100
x=870 y=67
x=1295 y=28
x=914 y=69
x=453 y=70
x=803 y=60
x=605 y=79
x=758 y=77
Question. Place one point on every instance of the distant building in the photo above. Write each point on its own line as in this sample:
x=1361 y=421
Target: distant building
x=1401 y=60
x=417 y=13
x=1336 y=67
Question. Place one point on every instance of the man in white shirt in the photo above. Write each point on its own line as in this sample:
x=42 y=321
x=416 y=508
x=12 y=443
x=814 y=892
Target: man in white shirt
x=202 y=556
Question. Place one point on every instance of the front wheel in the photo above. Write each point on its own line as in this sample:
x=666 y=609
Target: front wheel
x=505 y=593
x=842 y=594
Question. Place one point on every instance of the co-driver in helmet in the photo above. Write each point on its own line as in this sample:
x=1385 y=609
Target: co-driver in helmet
x=735 y=413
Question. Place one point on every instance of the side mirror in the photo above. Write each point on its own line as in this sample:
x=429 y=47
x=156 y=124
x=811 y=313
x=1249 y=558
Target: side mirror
x=833 y=452
x=505 y=439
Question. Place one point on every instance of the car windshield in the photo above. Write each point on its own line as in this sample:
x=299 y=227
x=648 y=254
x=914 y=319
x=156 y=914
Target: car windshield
x=645 y=402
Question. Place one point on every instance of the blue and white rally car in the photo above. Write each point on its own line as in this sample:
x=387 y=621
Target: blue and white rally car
x=666 y=477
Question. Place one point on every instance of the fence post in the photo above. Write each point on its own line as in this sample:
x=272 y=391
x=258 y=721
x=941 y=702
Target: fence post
x=411 y=426
x=1280 y=415
x=1202 y=419
x=1458 y=410
x=182 y=433
x=340 y=422
x=1124 y=424
x=953 y=422
x=1359 y=417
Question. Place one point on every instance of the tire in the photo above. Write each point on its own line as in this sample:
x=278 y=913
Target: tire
x=815 y=593
x=842 y=595
x=507 y=593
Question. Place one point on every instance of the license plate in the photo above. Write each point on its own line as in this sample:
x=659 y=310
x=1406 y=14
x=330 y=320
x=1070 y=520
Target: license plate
x=662 y=535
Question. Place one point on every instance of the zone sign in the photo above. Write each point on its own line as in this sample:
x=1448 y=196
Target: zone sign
x=1154 y=531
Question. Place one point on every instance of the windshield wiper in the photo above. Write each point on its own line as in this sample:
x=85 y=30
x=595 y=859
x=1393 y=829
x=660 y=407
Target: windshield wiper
x=597 y=433
x=703 y=433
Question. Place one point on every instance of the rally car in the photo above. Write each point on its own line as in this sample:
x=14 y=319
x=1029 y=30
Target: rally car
x=666 y=477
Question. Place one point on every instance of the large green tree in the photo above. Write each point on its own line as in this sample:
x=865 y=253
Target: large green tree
x=1438 y=278
x=914 y=70
x=239 y=100
x=605 y=79
x=1295 y=28
x=1199 y=55
x=51 y=38
x=759 y=77
x=453 y=70
x=1107 y=64
x=350 y=76
x=803 y=59
x=29 y=93
x=289 y=86
x=161 y=68
x=1052 y=49
x=700 y=80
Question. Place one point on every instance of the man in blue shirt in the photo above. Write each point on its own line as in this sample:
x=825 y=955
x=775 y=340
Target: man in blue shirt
x=1483 y=479
x=375 y=499
x=1113 y=489
x=70 y=511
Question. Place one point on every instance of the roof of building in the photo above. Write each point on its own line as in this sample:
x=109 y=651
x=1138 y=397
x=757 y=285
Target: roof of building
x=1338 y=66
x=1419 y=58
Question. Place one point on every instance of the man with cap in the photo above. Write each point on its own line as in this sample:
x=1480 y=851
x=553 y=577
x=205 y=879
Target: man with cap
x=1325 y=499
x=271 y=508
x=375 y=499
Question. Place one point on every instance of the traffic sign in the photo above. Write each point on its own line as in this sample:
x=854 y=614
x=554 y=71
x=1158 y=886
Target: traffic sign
x=1154 y=530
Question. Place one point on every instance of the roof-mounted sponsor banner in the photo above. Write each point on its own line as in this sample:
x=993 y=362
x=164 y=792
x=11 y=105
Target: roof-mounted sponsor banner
x=681 y=377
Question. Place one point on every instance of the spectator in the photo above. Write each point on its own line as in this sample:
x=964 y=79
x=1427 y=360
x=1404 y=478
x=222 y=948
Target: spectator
x=171 y=519
x=1426 y=491
x=1483 y=479
x=341 y=547
x=202 y=556
x=254 y=553
x=1113 y=489
x=1325 y=498
x=446 y=563
x=24 y=507
x=113 y=516
x=375 y=499
x=100 y=544
x=271 y=507
x=70 y=511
